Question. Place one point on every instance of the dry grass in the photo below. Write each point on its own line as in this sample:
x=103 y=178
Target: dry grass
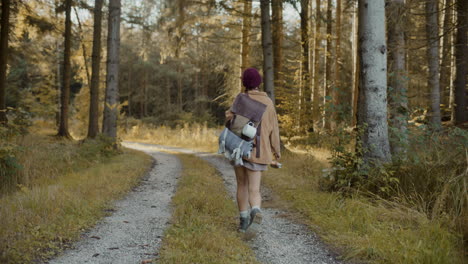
x=363 y=230
x=203 y=223
x=65 y=189
x=196 y=136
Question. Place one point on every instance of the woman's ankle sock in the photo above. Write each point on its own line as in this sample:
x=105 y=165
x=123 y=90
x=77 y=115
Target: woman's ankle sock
x=256 y=208
x=244 y=214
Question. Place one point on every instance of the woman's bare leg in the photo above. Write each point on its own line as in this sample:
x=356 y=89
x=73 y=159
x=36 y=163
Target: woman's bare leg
x=242 y=188
x=254 y=179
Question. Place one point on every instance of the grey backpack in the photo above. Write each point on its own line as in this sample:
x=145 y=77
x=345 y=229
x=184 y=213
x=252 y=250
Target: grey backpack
x=236 y=140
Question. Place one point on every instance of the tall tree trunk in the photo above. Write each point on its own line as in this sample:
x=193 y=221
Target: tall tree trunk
x=145 y=93
x=432 y=30
x=93 y=126
x=83 y=47
x=277 y=17
x=5 y=24
x=58 y=69
x=180 y=103
x=306 y=103
x=111 y=107
x=355 y=91
x=372 y=111
x=445 y=69
x=335 y=92
x=329 y=82
x=461 y=54
x=316 y=87
x=267 y=45
x=398 y=84
x=245 y=45
x=65 y=95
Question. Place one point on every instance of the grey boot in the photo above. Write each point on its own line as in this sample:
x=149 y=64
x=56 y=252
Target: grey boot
x=243 y=224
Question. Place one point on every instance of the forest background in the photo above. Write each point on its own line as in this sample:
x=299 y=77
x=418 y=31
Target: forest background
x=180 y=68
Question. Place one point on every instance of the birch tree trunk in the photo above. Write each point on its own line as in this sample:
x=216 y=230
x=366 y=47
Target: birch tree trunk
x=245 y=45
x=5 y=23
x=445 y=67
x=372 y=110
x=267 y=45
x=65 y=95
x=306 y=104
x=398 y=78
x=316 y=87
x=111 y=106
x=432 y=28
x=461 y=55
x=93 y=126
x=277 y=18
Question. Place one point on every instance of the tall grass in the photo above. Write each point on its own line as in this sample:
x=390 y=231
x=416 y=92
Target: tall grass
x=193 y=136
x=61 y=188
x=363 y=229
x=41 y=159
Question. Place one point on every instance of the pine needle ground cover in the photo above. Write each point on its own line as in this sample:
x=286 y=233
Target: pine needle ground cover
x=362 y=229
x=204 y=223
x=65 y=188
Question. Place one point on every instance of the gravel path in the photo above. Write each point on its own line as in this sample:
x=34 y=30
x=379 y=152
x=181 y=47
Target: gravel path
x=280 y=240
x=134 y=230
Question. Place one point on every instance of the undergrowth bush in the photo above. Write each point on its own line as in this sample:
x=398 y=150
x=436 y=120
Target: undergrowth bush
x=433 y=178
x=10 y=166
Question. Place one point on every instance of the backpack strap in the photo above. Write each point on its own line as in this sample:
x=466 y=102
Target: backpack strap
x=257 y=136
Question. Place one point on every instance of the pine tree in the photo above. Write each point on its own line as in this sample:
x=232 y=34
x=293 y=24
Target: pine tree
x=398 y=77
x=432 y=31
x=93 y=126
x=5 y=24
x=461 y=54
x=111 y=106
x=267 y=45
x=66 y=79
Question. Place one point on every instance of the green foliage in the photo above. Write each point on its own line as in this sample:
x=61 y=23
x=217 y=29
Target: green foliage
x=102 y=146
x=10 y=166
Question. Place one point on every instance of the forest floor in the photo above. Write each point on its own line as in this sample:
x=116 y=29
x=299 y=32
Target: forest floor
x=134 y=231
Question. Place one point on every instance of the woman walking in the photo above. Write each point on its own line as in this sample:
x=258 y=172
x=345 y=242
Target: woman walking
x=250 y=173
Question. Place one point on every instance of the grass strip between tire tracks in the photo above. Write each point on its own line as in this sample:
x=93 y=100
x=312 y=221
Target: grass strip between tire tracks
x=38 y=222
x=204 y=229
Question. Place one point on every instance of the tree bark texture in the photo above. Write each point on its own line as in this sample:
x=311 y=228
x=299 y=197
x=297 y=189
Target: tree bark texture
x=66 y=81
x=93 y=126
x=329 y=82
x=5 y=24
x=461 y=55
x=316 y=72
x=245 y=45
x=355 y=90
x=432 y=31
x=277 y=18
x=372 y=109
x=306 y=105
x=445 y=67
x=398 y=78
x=111 y=106
x=267 y=45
